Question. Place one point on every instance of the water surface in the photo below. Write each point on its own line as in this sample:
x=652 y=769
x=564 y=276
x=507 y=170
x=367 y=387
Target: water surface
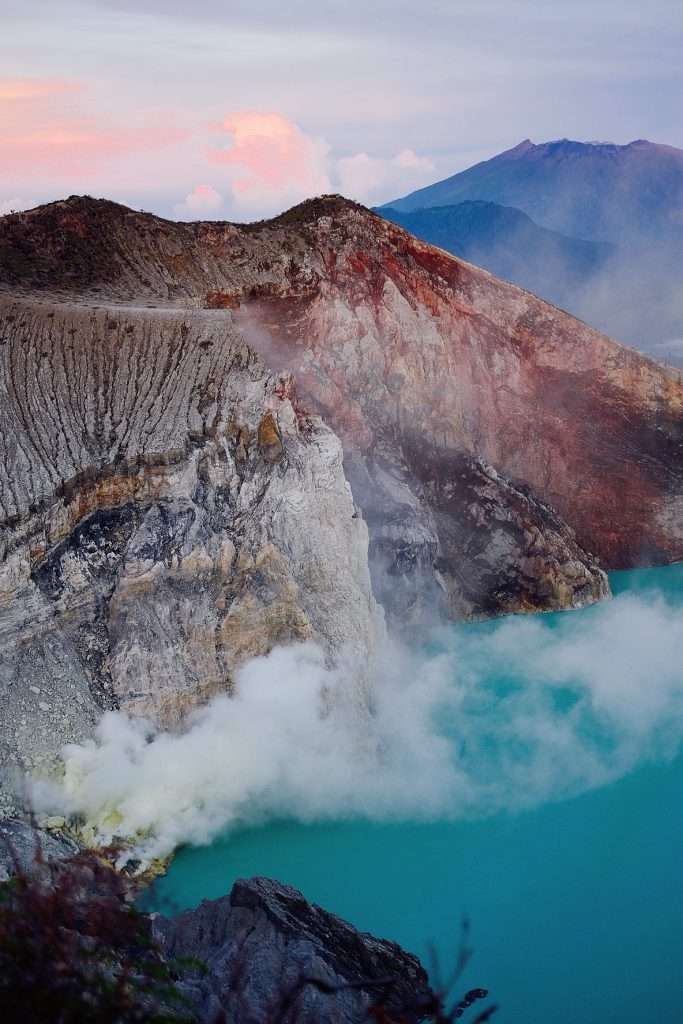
x=576 y=905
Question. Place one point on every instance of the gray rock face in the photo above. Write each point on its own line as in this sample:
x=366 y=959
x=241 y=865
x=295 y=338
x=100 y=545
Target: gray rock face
x=168 y=510
x=265 y=947
x=25 y=848
x=454 y=539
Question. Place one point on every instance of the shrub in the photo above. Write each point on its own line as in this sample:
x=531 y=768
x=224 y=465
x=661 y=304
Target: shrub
x=72 y=950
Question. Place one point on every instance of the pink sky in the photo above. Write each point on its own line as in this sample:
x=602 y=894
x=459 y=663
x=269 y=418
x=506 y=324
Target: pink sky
x=238 y=110
x=53 y=139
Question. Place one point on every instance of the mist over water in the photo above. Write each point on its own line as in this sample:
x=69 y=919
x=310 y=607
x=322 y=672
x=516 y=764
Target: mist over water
x=576 y=904
x=499 y=716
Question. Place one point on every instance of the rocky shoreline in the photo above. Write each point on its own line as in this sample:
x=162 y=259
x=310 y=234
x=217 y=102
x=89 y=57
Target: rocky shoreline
x=261 y=953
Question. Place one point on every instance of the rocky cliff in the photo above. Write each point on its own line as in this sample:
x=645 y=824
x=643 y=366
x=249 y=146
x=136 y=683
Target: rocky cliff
x=71 y=948
x=412 y=357
x=270 y=955
x=170 y=507
x=168 y=511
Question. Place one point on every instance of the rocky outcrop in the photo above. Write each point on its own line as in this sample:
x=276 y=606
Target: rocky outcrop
x=452 y=538
x=271 y=955
x=168 y=511
x=28 y=850
x=71 y=947
x=412 y=357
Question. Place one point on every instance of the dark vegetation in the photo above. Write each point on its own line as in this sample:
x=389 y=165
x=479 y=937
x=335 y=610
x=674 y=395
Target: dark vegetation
x=56 y=246
x=73 y=949
x=310 y=210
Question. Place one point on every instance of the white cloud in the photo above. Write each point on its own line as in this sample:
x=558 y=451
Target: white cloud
x=200 y=203
x=371 y=179
x=669 y=345
x=273 y=163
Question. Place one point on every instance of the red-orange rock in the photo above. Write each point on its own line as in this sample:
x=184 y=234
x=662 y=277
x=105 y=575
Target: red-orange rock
x=416 y=359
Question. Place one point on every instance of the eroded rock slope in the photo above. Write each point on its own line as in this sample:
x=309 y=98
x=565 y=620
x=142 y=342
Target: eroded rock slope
x=533 y=426
x=168 y=511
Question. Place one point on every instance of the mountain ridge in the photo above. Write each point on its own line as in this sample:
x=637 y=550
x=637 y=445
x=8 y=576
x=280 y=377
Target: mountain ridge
x=509 y=244
x=95 y=251
x=622 y=190
x=222 y=438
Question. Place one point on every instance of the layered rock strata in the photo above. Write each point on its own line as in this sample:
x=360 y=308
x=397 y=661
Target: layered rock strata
x=168 y=511
x=414 y=356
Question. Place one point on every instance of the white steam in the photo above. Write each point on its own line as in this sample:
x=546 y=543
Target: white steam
x=288 y=743
x=496 y=717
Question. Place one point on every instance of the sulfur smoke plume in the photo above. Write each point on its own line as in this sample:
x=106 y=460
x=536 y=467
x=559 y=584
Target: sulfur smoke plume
x=491 y=718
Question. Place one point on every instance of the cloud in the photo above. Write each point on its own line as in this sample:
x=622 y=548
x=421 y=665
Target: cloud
x=54 y=129
x=49 y=130
x=15 y=205
x=14 y=90
x=496 y=718
x=276 y=163
x=370 y=179
x=670 y=349
x=457 y=81
x=200 y=203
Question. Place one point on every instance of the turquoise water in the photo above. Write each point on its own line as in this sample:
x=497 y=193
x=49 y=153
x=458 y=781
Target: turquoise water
x=576 y=905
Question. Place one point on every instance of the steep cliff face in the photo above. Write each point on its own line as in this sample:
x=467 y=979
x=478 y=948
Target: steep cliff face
x=413 y=358
x=450 y=537
x=402 y=347
x=168 y=511
x=265 y=946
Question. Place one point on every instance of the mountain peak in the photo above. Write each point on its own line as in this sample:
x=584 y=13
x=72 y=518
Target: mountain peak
x=599 y=191
x=520 y=149
x=327 y=205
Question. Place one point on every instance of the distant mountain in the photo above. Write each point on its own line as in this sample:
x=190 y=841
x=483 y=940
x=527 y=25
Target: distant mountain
x=509 y=244
x=627 y=199
x=590 y=190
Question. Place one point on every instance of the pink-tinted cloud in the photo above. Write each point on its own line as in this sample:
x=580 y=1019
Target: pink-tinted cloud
x=276 y=162
x=45 y=135
x=77 y=148
x=18 y=89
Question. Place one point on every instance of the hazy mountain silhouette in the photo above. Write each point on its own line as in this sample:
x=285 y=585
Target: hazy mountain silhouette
x=509 y=244
x=590 y=190
x=605 y=238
